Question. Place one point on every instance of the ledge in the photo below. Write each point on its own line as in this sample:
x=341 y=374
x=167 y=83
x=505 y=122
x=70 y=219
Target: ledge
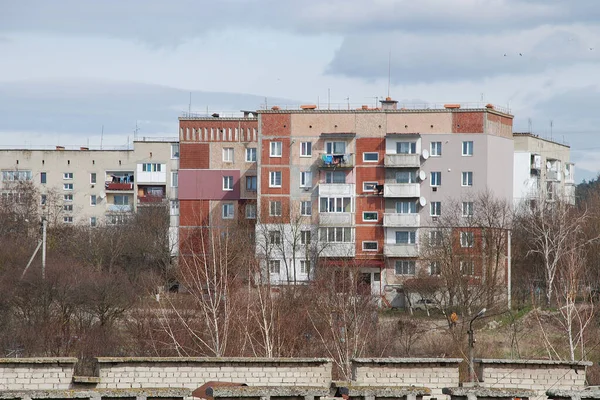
x=533 y=362
x=217 y=360
x=479 y=391
x=587 y=393
x=86 y=379
x=88 y=394
x=413 y=360
x=39 y=360
x=268 y=391
x=386 y=391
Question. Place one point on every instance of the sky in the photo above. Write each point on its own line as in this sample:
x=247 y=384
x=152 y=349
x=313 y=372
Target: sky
x=78 y=72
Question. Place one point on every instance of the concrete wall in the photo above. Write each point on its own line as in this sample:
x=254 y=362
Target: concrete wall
x=36 y=373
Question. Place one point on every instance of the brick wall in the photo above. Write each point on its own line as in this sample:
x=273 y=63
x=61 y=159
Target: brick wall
x=194 y=156
x=193 y=372
x=36 y=373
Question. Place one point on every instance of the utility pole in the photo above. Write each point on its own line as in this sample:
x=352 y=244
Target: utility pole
x=472 y=346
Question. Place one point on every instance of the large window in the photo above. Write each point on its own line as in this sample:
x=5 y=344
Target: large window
x=467 y=239
x=335 y=204
x=406 y=207
x=120 y=200
x=251 y=183
x=305 y=149
x=251 y=154
x=227 y=210
x=16 y=175
x=467 y=267
x=406 y=147
x=275 y=179
x=467 y=148
x=275 y=208
x=436 y=149
x=467 y=178
x=335 y=177
x=370 y=157
x=405 y=267
x=436 y=179
x=228 y=183
x=335 y=147
x=151 y=167
x=306 y=208
x=435 y=238
x=335 y=235
x=406 y=177
x=436 y=208
x=276 y=148
x=228 y=154
x=275 y=237
x=406 y=237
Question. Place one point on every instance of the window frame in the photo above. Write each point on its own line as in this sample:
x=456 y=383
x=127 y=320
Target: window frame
x=304 y=181
x=68 y=186
x=435 y=209
x=370 y=212
x=365 y=183
x=43 y=178
x=412 y=207
x=330 y=177
x=467 y=150
x=271 y=264
x=438 y=149
x=467 y=239
x=93 y=178
x=230 y=207
x=333 y=201
x=469 y=207
x=467 y=175
x=67 y=176
x=412 y=237
x=471 y=266
x=333 y=231
x=251 y=179
x=305 y=149
x=438 y=180
x=370 y=152
x=275 y=212
x=228 y=183
x=93 y=222
x=175 y=155
x=251 y=151
x=412 y=177
x=174 y=179
x=436 y=238
x=330 y=147
x=68 y=219
x=273 y=179
x=69 y=198
x=274 y=146
x=304 y=267
x=306 y=208
x=275 y=238
x=370 y=242
x=93 y=200
x=228 y=151
x=435 y=269
x=410 y=266
x=304 y=234
x=250 y=211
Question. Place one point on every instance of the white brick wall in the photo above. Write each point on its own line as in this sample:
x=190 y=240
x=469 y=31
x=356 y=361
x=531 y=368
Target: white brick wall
x=36 y=373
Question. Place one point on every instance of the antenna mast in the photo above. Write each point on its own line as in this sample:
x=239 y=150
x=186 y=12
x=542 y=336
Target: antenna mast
x=101 y=137
x=389 y=72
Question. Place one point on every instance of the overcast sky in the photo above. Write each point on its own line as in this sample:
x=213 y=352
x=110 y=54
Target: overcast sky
x=70 y=67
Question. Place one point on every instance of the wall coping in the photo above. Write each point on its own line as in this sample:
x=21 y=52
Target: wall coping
x=217 y=360
x=492 y=361
x=87 y=394
x=394 y=360
x=267 y=391
x=587 y=393
x=480 y=391
x=387 y=391
x=39 y=360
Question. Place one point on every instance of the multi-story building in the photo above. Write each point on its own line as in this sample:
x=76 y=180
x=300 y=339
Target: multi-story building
x=357 y=185
x=103 y=186
x=542 y=169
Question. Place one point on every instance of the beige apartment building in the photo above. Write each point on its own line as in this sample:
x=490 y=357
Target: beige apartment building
x=99 y=186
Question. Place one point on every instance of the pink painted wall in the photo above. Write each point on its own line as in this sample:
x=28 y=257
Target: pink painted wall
x=202 y=184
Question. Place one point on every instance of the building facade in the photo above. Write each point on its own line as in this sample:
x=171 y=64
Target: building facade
x=542 y=169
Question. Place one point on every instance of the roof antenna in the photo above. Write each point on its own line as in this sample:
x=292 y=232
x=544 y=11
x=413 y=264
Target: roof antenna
x=101 y=137
x=551 y=126
x=190 y=106
x=389 y=71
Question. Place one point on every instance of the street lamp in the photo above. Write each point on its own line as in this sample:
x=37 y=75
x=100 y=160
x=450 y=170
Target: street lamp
x=472 y=345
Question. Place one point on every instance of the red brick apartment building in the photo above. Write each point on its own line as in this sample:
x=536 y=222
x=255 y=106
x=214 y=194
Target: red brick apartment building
x=355 y=185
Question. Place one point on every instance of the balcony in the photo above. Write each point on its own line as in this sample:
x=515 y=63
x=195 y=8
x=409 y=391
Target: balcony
x=346 y=249
x=336 y=189
x=118 y=186
x=400 y=250
x=149 y=200
x=152 y=177
x=333 y=161
x=402 y=160
x=336 y=219
x=401 y=190
x=401 y=220
x=118 y=208
x=553 y=175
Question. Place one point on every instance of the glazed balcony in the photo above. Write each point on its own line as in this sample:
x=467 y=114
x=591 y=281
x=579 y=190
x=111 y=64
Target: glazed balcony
x=402 y=160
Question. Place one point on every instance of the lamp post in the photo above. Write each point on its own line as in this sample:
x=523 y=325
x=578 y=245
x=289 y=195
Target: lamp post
x=472 y=345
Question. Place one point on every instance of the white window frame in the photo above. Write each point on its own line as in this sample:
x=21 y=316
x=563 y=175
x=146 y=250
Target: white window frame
x=305 y=236
x=412 y=205
x=370 y=242
x=411 y=150
x=275 y=238
x=68 y=186
x=174 y=154
x=272 y=263
x=151 y=167
x=304 y=267
x=466 y=179
x=67 y=176
x=330 y=147
x=93 y=200
x=336 y=203
x=467 y=240
x=407 y=267
x=366 y=186
x=68 y=197
x=412 y=177
x=93 y=178
x=467 y=208
x=346 y=234
x=68 y=207
x=273 y=211
x=305 y=179
x=437 y=182
x=306 y=208
x=251 y=154
x=227 y=211
x=276 y=149
x=330 y=175
x=174 y=179
x=467 y=148
x=68 y=219
x=470 y=264
x=370 y=161
x=250 y=211
x=370 y=220
x=273 y=175
x=435 y=269
x=228 y=183
x=305 y=149
x=228 y=154
x=412 y=237
x=254 y=187
x=435 y=238
x=435 y=149
x=435 y=208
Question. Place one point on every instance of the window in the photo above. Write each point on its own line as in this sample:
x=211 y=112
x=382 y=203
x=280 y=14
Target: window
x=67 y=197
x=335 y=235
x=274 y=237
x=405 y=267
x=435 y=238
x=93 y=178
x=304 y=267
x=467 y=209
x=228 y=183
x=306 y=208
x=174 y=179
x=16 y=175
x=68 y=207
x=335 y=204
x=250 y=211
x=92 y=200
x=335 y=177
x=151 y=167
x=251 y=154
x=370 y=186
x=227 y=210
x=43 y=177
x=406 y=237
x=436 y=149
x=121 y=200
x=370 y=157
x=436 y=208
x=335 y=147
x=305 y=149
x=370 y=216
x=68 y=175
x=275 y=179
x=436 y=179
x=305 y=237
x=274 y=266
x=251 y=183
x=228 y=154
x=92 y=221
x=406 y=177
x=369 y=246
x=275 y=208
x=467 y=267
x=306 y=179
x=467 y=179
x=174 y=207
x=467 y=148
x=68 y=220
x=276 y=149
x=435 y=268
x=406 y=207
x=174 y=150
x=67 y=186
x=406 y=147
x=43 y=200
x=467 y=239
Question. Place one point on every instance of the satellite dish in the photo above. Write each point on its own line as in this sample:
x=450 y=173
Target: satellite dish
x=425 y=154
x=422 y=201
x=102 y=195
x=548 y=165
x=422 y=175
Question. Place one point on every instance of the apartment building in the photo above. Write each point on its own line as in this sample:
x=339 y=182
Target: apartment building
x=98 y=186
x=542 y=169
x=358 y=186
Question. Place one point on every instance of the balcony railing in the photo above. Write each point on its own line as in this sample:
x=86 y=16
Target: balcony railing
x=345 y=249
x=402 y=160
x=400 y=250
x=336 y=160
x=553 y=175
x=401 y=190
x=336 y=219
x=336 y=189
x=118 y=208
x=118 y=186
x=401 y=220
x=150 y=199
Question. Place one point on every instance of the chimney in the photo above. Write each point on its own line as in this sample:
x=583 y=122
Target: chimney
x=389 y=104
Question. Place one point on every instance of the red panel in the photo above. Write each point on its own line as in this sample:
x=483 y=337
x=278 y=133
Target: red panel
x=467 y=122
x=194 y=156
x=370 y=145
x=276 y=124
x=208 y=184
